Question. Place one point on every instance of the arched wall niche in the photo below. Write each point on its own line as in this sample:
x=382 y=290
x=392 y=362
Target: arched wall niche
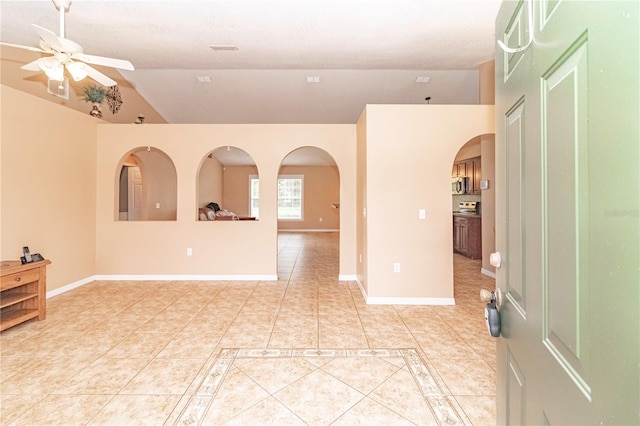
x=146 y=186
x=225 y=177
x=320 y=185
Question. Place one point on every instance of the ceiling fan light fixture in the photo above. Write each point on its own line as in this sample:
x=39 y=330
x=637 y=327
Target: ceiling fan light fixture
x=51 y=67
x=76 y=71
x=65 y=51
x=59 y=88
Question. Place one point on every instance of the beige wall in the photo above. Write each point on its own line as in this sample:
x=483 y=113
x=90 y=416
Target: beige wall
x=48 y=185
x=158 y=184
x=219 y=249
x=209 y=182
x=487 y=77
x=409 y=153
x=470 y=149
x=236 y=189
x=488 y=202
x=487 y=83
x=360 y=216
x=403 y=153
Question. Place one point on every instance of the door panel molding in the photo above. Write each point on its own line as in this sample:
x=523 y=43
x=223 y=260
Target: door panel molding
x=514 y=35
x=547 y=7
x=515 y=231
x=565 y=314
x=516 y=391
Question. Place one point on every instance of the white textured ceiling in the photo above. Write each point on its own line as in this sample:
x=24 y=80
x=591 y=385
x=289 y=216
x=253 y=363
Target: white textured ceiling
x=363 y=52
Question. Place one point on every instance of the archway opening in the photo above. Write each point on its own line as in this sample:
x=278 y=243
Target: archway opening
x=146 y=186
x=308 y=215
x=227 y=186
x=473 y=209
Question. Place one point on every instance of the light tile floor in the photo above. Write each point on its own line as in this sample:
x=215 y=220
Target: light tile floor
x=305 y=349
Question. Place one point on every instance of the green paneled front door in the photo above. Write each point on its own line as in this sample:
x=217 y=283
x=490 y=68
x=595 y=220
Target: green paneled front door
x=568 y=223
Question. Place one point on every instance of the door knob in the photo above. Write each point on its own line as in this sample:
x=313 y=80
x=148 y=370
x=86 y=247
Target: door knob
x=486 y=296
x=495 y=259
x=491 y=312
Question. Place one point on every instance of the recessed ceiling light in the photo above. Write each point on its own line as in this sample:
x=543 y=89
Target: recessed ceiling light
x=313 y=79
x=203 y=79
x=223 y=47
x=423 y=79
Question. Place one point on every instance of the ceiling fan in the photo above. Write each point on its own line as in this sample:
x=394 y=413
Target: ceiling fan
x=68 y=54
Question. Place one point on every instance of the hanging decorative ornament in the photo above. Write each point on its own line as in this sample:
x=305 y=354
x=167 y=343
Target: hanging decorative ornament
x=114 y=99
x=96 y=111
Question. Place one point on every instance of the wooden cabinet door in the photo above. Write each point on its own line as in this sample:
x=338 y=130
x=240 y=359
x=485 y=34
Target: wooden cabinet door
x=456 y=235
x=464 y=238
x=477 y=176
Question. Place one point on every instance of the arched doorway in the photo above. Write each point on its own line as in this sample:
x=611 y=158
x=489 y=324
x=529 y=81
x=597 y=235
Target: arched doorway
x=308 y=215
x=473 y=208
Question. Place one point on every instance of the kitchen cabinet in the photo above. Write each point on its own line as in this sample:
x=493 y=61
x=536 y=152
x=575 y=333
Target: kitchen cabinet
x=474 y=172
x=459 y=169
x=467 y=235
x=470 y=168
x=23 y=292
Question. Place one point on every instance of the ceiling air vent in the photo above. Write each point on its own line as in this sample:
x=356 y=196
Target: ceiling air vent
x=223 y=47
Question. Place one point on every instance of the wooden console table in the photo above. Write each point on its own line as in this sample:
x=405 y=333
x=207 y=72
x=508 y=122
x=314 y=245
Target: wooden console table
x=23 y=292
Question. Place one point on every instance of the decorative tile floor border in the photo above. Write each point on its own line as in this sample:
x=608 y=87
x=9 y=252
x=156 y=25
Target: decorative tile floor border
x=198 y=404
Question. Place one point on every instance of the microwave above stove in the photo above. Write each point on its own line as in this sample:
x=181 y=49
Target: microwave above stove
x=460 y=185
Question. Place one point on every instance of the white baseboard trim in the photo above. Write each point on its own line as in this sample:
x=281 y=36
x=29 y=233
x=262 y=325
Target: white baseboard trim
x=71 y=286
x=93 y=278
x=439 y=301
x=308 y=230
x=488 y=273
x=186 y=277
x=346 y=277
x=362 y=290
x=369 y=300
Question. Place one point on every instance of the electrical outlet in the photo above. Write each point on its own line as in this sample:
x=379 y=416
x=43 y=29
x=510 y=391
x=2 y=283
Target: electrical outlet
x=396 y=267
x=422 y=213
x=320 y=219
x=157 y=205
x=189 y=251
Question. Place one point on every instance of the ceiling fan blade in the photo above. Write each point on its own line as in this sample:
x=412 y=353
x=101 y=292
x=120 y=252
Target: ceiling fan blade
x=96 y=75
x=49 y=38
x=104 y=61
x=32 y=66
x=19 y=46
